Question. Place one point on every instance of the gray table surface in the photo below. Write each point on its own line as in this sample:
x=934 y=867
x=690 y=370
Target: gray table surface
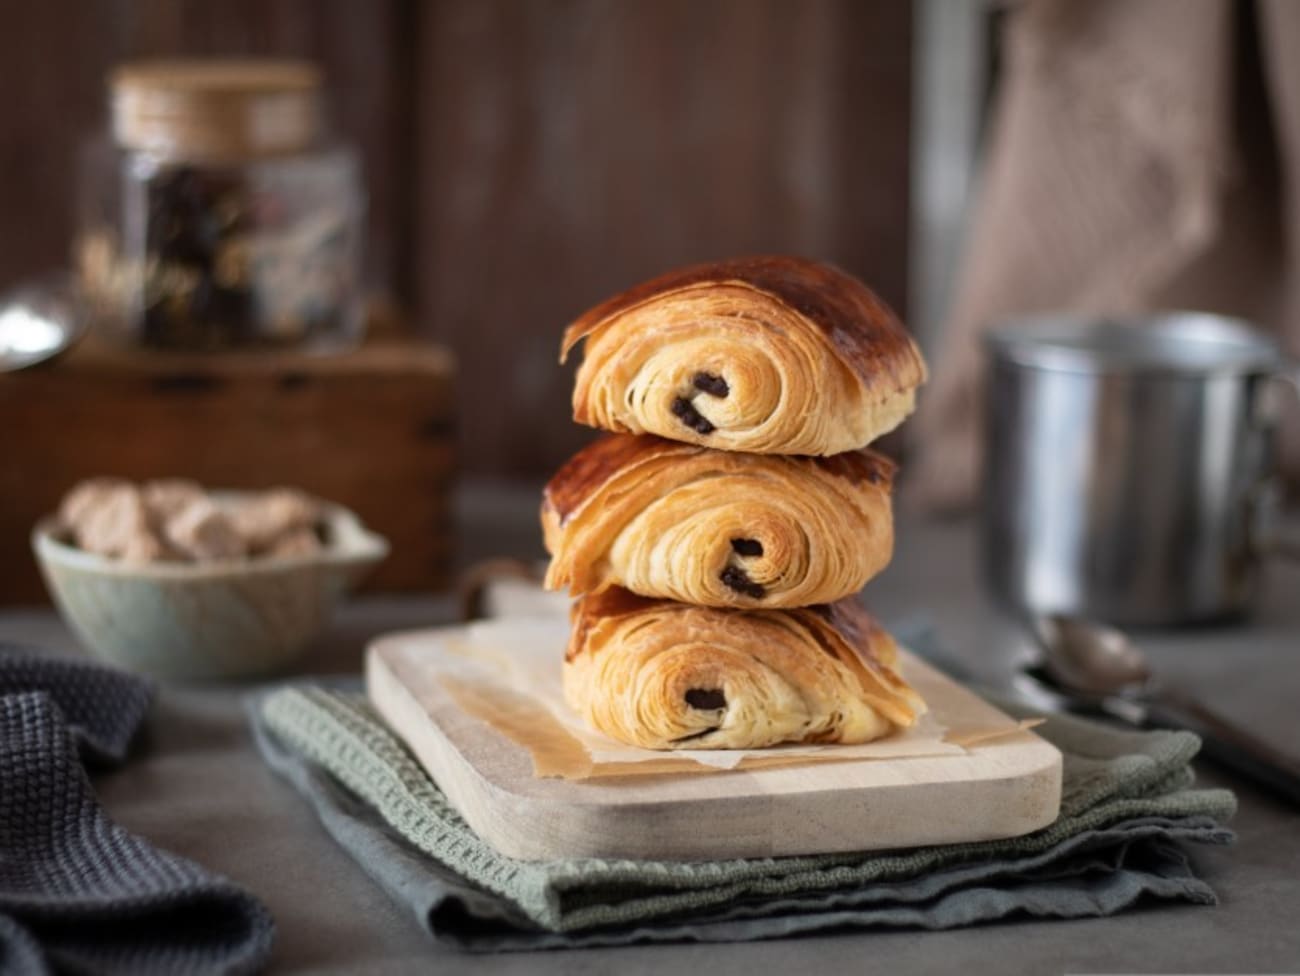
x=198 y=787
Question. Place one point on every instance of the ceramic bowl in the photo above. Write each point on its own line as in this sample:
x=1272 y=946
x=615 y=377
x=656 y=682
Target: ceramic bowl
x=217 y=620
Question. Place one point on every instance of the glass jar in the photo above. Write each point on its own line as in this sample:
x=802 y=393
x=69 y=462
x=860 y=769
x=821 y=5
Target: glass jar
x=217 y=214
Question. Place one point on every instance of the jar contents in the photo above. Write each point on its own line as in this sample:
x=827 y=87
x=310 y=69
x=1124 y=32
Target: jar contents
x=196 y=235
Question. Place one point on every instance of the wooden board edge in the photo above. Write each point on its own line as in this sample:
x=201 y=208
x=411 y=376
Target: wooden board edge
x=466 y=787
x=553 y=829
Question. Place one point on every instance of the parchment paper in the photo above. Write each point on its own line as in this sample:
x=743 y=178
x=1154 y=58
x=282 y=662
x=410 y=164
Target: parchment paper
x=507 y=672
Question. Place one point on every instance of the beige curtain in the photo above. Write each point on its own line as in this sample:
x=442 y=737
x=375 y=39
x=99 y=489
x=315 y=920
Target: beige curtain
x=1143 y=154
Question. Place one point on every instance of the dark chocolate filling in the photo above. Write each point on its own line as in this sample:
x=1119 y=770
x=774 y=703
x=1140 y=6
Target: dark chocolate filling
x=712 y=385
x=685 y=411
x=706 y=699
x=738 y=580
x=747 y=547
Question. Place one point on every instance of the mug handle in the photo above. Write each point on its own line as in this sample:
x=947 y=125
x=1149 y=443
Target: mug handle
x=1273 y=542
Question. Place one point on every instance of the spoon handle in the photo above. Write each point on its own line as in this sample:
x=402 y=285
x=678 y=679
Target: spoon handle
x=1229 y=745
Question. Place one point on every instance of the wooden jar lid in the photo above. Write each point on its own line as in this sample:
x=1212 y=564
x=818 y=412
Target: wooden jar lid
x=216 y=110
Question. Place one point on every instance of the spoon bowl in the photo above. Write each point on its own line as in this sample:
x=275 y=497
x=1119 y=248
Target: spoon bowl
x=1091 y=657
x=38 y=320
x=1092 y=666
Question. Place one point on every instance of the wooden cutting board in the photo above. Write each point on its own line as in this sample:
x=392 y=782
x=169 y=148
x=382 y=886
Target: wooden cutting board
x=1002 y=788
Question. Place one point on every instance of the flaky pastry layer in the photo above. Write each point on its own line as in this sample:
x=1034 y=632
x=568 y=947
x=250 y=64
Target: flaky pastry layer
x=772 y=355
x=663 y=675
x=714 y=528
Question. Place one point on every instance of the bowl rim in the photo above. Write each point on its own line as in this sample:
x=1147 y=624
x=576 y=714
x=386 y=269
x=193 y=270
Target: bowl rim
x=352 y=545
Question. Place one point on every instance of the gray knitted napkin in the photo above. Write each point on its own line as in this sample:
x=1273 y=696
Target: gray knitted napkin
x=103 y=708
x=77 y=892
x=1127 y=803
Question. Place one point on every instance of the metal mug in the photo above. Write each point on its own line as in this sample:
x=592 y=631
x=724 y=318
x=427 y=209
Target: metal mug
x=1129 y=465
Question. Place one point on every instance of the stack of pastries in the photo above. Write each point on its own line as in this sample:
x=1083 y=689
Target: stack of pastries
x=716 y=538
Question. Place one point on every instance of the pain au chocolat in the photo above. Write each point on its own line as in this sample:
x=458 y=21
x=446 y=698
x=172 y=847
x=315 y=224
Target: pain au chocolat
x=771 y=355
x=663 y=675
x=716 y=528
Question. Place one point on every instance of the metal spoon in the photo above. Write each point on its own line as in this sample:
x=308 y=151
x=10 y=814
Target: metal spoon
x=1098 y=667
x=38 y=320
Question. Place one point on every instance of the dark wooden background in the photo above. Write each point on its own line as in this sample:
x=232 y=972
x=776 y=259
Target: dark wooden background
x=525 y=157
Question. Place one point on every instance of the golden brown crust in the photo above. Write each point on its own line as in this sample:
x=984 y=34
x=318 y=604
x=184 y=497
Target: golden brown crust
x=775 y=355
x=719 y=529
x=665 y=675
x=582 y=476
x=608 y=604
x=866 y=332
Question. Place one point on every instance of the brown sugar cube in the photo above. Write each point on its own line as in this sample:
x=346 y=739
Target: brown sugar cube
x=85 y=497
x=204 y=532
x=298 y=542
x=263 y=519
x=146 y=547
x=114 y=521
x=166 y=497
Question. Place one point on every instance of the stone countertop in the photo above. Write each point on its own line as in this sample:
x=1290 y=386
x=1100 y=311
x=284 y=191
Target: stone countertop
x=196 y=786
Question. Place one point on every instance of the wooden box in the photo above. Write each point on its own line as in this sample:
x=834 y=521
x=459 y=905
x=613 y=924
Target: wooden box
x=372 y=430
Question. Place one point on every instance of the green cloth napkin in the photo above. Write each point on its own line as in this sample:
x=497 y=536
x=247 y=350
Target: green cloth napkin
x=1126 y=797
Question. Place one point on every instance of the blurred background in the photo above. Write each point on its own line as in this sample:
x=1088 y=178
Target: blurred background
x=524 y=158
